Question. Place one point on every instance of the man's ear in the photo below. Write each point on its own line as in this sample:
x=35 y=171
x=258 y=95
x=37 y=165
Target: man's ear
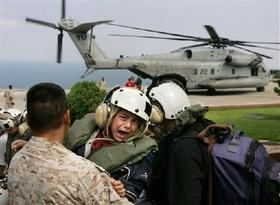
x=67 y=120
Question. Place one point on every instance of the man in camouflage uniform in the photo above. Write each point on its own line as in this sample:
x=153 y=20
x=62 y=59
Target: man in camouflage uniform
x=102 y=84
x=9 y=97
x=44 y=171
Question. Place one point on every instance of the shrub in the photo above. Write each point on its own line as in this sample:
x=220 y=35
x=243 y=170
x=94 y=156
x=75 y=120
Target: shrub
x=83 y=98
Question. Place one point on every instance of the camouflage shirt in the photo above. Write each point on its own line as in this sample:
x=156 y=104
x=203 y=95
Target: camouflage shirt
x=45 y=172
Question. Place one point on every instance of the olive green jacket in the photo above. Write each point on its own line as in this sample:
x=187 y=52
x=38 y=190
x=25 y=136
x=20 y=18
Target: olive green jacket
x=11 y=138
x=113 y=157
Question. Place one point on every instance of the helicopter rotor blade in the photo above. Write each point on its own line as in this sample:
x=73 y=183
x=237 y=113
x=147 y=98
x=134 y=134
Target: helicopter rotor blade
x=212 y=33
x=154 y=37
x=252 y=51
x=59 y=47
x=62 y=9
x=197 y=45
x=215 y=40
x=255 y=42
x=264 y=47
x=161 y=32
x=42 y=23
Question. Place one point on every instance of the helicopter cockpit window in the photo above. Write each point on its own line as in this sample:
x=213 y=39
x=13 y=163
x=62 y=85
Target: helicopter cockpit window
x=195 y=71
x=188 y=54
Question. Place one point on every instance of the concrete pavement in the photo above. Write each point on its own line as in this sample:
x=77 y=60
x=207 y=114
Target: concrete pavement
x=244 y=97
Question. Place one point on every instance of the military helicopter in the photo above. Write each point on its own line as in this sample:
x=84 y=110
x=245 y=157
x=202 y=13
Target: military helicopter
x=213 y=67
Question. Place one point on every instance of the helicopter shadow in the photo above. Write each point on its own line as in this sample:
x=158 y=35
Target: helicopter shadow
x=220 y=92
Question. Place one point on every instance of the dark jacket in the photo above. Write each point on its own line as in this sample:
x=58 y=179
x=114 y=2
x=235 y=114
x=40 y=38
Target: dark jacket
x=181 y=170
x=187 y=173
x=11 y=138
x=136 y=177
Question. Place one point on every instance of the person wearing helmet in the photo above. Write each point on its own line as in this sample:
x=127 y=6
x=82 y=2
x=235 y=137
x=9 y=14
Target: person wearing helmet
x=169 y=102
x=11 y=120
x=3 y=140
x=113 y=137
x=3 y=185
x=180 y=170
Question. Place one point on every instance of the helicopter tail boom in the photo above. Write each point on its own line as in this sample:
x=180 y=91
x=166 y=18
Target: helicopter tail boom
x=79 y=33
x=85 y=27
x=84 y=40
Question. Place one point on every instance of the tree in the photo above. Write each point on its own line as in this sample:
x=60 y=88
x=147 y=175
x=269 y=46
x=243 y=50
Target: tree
x=277 y=90
x=83 y=98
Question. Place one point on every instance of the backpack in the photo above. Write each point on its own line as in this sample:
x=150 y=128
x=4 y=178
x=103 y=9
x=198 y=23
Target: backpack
x=243 y=173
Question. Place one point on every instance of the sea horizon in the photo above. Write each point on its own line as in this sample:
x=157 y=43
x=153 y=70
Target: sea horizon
x=23 y=75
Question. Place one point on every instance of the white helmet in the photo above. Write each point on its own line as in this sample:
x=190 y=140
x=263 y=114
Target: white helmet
x=15 y=113
x=172 y=98
x=132 y=100
x=11 y=117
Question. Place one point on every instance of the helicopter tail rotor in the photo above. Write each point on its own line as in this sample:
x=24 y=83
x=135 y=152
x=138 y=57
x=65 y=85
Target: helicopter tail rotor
x=59 y=47
x=60 y=35
x=42 y=23
x=63 y=8
x=54 y=26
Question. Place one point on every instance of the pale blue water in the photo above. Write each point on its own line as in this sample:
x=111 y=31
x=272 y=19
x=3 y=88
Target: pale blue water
x=24 y=75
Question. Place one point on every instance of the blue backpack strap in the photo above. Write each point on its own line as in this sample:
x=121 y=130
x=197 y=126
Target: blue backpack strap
x=270 y=183
x=265 y=182
x=250 y=157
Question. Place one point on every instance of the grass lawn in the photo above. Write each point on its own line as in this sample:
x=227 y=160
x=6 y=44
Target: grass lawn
x=259 y=123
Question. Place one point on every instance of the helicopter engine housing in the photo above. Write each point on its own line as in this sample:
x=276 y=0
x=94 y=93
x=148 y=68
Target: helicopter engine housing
x=239 y=60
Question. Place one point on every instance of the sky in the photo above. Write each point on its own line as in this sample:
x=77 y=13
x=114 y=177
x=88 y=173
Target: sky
x=251 y=20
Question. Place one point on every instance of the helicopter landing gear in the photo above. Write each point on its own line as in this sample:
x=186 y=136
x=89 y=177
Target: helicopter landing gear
x=211 y=91
x=260 y=89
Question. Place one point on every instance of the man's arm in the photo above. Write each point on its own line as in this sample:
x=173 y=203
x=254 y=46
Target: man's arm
x=96 y=188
